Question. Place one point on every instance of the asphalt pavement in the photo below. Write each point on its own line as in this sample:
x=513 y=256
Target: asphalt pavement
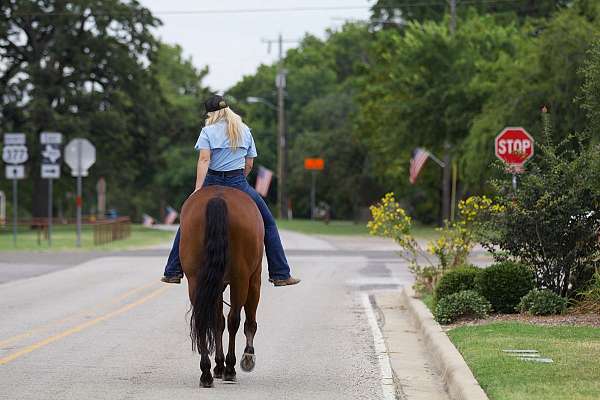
x=104 y=327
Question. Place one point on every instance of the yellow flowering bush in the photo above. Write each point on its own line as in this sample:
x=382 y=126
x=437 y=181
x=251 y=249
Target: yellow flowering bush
x=451 y=248
x=457 y=238
x=390 y=220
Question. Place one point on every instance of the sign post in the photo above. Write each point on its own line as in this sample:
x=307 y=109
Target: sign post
x=514 y=146
x=101 y=192
x=80 y=154
x=314 y=165
x=14 y=154
x=51 y=142
x=2 y=208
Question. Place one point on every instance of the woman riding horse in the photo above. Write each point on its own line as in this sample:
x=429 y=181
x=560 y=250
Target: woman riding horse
x=227 y=153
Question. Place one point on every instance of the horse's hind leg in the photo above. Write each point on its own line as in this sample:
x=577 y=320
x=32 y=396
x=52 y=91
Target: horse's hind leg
x=206 y=379
x=219 y=356
x=249 y=358
x=233 y=324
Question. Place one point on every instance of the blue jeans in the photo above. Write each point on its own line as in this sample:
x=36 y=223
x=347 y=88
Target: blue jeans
x=278 y=265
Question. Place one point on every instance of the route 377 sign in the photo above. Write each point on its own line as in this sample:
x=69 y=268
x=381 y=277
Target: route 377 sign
x=14 y=151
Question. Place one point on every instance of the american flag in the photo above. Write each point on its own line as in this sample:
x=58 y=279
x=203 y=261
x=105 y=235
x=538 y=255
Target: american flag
x=147 y=220
x=171 y=216
x=263 y=181
x=419 y=156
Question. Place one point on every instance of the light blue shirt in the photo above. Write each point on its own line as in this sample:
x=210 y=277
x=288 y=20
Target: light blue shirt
x=222 y=156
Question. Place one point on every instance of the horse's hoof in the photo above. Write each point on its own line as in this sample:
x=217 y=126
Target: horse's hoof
x=218 y=372
x=206 y=384
x=248 y=362
x=206 y=380
x=229 y=376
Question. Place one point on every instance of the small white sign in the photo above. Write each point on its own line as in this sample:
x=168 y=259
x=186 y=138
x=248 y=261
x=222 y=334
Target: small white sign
x=14 y=139
x=50 y=171
x=51 y=138
x=15 y=154
x=15 y=172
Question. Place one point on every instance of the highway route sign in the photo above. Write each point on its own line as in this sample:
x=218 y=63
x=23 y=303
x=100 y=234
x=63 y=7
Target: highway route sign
x=51 y=154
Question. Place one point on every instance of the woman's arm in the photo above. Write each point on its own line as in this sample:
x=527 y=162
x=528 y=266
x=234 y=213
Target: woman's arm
x=202 y=168
x=248 y=166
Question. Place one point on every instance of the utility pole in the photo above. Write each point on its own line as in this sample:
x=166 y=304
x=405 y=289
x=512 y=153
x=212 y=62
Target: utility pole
x=280 y=83
x=446 y=174
x=281 y=139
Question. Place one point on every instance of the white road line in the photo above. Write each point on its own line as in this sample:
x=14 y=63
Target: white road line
x=387 y=378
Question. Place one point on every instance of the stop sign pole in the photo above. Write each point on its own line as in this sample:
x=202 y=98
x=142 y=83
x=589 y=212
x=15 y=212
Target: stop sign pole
x=80 y=155
x=514 y=146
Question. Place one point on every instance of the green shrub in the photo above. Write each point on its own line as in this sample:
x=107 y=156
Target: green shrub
x=455 y=280
x=503 y=284
x=464 y=304
x=589 y=299
x=542 y=302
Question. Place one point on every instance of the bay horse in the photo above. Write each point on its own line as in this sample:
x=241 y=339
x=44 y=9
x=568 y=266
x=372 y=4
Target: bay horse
x=222 y=235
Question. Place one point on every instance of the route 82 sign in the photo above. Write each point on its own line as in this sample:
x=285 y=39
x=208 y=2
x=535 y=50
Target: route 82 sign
x=14 y=151
x=51 y=154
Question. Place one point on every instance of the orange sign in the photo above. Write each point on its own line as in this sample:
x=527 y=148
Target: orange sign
x=314 y=164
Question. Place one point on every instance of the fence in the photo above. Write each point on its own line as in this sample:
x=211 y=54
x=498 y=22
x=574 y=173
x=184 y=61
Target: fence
x=105 y=231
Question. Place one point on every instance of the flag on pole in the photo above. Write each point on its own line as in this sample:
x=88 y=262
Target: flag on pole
x=263 y=181
x=147 y=220
x=419 y=157
x=171 y=216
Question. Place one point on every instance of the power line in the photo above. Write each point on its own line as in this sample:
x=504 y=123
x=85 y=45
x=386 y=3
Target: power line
x=439 y=3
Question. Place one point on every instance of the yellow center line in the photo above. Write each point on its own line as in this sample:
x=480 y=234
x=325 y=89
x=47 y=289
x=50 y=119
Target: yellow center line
x=81 y=327
x=49 y=325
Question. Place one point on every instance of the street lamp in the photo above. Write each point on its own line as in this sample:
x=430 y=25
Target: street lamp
x=253 y=100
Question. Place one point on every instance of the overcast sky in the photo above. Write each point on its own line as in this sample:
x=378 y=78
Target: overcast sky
x=229 y=38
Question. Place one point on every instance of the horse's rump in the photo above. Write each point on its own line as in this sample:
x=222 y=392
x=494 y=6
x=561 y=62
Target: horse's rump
x=246 y=230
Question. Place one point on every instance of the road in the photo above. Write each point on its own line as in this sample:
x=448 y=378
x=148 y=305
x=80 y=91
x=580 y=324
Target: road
x=106 y=328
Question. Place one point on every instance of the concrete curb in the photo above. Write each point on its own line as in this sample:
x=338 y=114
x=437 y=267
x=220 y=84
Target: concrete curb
x=458 y=378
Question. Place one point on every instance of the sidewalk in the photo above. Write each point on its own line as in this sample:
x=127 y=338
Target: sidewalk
x=413 y=370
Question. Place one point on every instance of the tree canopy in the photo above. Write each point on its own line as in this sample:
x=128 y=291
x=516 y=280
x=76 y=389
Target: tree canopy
x=363 y=97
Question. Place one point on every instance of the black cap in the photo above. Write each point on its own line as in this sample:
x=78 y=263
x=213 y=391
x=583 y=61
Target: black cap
x=215 y=103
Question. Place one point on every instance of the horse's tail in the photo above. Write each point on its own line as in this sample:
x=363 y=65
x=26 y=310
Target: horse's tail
x=209 y=283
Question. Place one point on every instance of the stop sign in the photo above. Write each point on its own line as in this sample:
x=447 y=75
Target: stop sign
x=514 y=146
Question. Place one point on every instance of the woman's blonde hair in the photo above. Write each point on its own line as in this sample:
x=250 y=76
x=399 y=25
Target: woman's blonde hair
x=234 y=124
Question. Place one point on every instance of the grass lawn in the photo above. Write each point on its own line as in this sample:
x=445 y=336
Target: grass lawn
x=63 y=238
x=320 y=228
x=574 y=375
x=428 y=300
x=343 y=228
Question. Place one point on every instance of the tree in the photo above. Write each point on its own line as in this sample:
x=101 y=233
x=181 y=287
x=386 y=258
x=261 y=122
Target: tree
x=183 y=96
x=323 y=78
x=424 y=90
x=590 y=96
x=423 y=10
x=78 y=67
x=543 y=71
